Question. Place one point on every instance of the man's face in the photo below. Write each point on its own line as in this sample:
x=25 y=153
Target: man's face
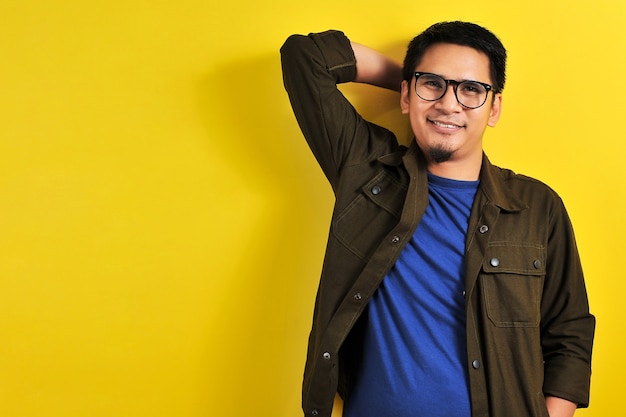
x=445 y=130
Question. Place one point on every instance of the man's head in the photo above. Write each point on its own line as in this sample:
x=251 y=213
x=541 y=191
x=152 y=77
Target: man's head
x=459 y=33
x=449 y=72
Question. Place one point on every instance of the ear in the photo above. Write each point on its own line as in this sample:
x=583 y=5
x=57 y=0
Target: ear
x=404 y=97
x=496 y=110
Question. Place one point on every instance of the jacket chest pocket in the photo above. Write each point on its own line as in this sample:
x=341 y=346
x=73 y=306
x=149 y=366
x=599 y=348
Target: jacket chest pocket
x=512 y=279
x=363 y=224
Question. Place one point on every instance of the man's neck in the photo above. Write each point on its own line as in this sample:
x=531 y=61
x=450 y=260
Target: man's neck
x=456 y=170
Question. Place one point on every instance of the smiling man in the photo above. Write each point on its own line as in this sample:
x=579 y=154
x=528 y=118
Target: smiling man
x=450 y=287
x=449 y=127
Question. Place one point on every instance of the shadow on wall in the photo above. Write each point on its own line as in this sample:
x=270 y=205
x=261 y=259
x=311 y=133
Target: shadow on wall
x=269 y=183
x=275 y=189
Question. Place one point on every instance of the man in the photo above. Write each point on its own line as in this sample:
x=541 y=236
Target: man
x=450 y=287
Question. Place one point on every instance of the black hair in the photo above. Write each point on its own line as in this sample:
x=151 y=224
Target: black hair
x=459 y=33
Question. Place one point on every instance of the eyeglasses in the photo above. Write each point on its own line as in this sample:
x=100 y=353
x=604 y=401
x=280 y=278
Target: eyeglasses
x=469 y=94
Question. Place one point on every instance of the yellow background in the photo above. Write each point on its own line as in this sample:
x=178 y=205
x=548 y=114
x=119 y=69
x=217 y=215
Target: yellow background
x=162 y=223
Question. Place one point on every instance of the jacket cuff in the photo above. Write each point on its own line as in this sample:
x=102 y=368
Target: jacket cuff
x=337 y=53
x=569 y=381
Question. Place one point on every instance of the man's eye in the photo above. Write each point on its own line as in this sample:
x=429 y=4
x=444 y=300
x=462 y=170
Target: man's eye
x=472 y=88
x=433 y=84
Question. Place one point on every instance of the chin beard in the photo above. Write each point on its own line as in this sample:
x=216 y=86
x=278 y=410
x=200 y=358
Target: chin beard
x=439 y=155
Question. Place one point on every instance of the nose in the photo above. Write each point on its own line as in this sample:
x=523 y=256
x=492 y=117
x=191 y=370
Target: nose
x=449 y=103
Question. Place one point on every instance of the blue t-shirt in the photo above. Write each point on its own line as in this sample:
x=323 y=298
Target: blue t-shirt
x=414 y=358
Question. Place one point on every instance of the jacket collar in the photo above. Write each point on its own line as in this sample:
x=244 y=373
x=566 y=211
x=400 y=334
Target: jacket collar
x=493 y=184
x=493 y=179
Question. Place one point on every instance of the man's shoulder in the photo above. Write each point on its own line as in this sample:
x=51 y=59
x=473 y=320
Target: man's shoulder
x=522 y=187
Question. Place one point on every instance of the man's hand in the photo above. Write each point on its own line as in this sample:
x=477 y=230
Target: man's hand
x=558 y=407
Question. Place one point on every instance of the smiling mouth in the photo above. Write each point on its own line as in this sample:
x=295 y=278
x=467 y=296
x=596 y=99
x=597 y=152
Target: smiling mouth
x=445 y=125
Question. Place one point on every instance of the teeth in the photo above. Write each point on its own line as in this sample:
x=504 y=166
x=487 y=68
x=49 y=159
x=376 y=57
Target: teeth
x=445 y=125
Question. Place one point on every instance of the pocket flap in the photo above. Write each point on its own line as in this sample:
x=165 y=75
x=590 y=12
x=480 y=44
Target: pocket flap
x=515 y=258
x=386 y=191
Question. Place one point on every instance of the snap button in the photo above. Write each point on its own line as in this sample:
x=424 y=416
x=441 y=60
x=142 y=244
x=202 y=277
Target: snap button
x=537 y=264
x=395 y=239
x=494 y=262
x=326 y=355
x=376 y=190
x=357 y=296
x=476 y=364
x=483 y=229
x=314 y=412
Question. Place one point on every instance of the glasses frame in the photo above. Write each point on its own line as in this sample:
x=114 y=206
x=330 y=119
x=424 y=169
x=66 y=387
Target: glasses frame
x=455 y=85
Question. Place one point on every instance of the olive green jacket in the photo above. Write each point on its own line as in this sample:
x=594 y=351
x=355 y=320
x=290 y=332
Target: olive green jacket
x=529 y=330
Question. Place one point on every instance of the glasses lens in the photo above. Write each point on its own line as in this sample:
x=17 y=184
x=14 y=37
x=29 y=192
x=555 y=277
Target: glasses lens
x=430 y=87
x=471 y=94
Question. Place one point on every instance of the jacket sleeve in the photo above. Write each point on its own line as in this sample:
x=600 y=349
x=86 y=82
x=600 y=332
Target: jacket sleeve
x=338 y=136
x=567 y=327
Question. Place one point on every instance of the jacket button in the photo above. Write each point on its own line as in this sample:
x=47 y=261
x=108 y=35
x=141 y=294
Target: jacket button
x=358 y=296
x=326 y=355
x=395 y=239
x=476 y=364
x=376 y=190
x=483 y=229
x=494 y=262
x=314 y=412
x=537 y=264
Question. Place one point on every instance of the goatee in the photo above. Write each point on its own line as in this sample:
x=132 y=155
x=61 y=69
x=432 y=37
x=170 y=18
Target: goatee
x=439 y=155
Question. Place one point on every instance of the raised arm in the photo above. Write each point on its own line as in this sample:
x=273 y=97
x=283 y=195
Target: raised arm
x=375 y=68
x=338 y=136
